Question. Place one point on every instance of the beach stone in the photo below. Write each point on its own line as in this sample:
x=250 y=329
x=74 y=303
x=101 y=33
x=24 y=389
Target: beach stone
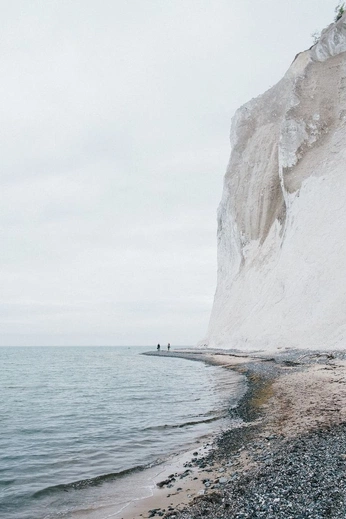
x=163 y=483
x=316 y=489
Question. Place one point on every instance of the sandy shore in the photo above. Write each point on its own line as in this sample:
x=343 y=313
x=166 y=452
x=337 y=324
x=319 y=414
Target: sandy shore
x=290 y=395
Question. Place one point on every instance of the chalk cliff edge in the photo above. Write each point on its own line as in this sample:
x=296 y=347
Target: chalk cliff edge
x=282 y=218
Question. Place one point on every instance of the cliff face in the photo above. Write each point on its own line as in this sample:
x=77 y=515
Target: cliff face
x=282 y=217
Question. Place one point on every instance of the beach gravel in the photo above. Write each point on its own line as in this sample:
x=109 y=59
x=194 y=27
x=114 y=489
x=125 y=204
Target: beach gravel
x=285 y=455
x=304 y=478
x=299 y=477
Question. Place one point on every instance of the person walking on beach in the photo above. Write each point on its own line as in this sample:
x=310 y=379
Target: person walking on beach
x=158 y=347
x=168 y=346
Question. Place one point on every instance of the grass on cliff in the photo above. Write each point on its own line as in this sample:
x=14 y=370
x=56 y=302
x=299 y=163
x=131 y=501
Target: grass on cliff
x=339 y=11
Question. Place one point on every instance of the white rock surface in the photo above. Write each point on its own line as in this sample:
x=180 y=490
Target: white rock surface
x=282 y=217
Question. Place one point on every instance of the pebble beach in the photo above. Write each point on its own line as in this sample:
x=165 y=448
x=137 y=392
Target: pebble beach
x=285 y=454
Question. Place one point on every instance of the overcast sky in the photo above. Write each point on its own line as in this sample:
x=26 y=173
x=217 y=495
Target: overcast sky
x=115 y=118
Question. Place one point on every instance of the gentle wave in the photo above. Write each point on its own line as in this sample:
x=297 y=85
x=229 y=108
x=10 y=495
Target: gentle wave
x=97 y=480
x=89 y=482
x=182 y=425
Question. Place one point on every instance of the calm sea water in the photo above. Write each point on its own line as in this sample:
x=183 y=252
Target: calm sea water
x=77 y=424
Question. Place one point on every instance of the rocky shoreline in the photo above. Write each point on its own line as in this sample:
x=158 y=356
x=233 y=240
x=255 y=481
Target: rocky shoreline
x=287 y=458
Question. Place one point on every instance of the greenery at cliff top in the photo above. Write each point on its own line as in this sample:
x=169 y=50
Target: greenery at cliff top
x=339 y=11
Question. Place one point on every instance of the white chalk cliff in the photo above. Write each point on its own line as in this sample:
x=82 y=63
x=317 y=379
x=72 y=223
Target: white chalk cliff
x=282 y=217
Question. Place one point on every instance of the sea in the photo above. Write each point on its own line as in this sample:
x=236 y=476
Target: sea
x=81 y=426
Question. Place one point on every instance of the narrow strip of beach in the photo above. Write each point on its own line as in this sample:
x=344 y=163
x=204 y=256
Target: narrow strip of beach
x=295 y=404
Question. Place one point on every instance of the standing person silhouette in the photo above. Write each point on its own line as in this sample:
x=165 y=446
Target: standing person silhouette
x=168 y=346
x=158 y=347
